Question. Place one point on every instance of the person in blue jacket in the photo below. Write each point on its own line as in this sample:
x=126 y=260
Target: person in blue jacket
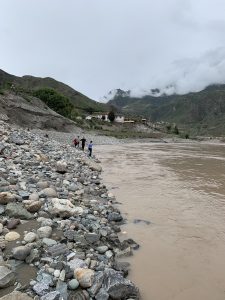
x=90 y=148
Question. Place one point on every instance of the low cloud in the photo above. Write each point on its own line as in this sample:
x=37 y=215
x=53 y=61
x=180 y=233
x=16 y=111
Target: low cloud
x=188 y=75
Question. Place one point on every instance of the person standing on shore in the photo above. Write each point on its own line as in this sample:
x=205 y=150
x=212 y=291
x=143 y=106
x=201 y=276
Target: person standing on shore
x=90 y=148
x=83 y=141
x=76 y=142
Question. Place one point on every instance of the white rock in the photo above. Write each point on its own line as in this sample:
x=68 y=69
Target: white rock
x=12 y=236
x=30 y=237
x=57 y=273
x=61 y=166
x=66 y=182
x=44 y=232
x=64 y=208
x=62 y=275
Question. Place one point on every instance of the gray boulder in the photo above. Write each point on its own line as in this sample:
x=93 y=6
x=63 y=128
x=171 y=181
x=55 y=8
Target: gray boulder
x=21 y=252
x=6 y=197
x=97 y=283
x=92 y=237
x=48 y=192
x=102 y=295
x=76 y=263
x=7 y=277
x=116 y=217
x=117 y=286
x=16 y=296
x=44 y=232
x=51 y=296
x=41 y=288
x=61 y=287
x=18 y=211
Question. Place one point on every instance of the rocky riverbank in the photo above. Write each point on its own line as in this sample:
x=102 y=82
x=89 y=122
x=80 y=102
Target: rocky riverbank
x=58 y=224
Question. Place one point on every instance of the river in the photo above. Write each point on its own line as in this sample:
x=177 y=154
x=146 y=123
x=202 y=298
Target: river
x=180 y=189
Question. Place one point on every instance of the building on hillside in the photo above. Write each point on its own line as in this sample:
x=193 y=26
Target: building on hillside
x=119 y=119
x=99 y=116
x=104 y=117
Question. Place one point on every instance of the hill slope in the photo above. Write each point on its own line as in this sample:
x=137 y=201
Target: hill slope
x=31 y=112
x=31 y=83
x=200 y=113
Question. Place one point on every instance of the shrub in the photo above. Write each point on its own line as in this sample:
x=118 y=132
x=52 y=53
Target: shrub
x=176 y=130
x=111 y=116
x=168 y=127
x=57 y=102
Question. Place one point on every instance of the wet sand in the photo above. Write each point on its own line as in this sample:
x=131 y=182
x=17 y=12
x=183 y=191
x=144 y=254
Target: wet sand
x=180 y=189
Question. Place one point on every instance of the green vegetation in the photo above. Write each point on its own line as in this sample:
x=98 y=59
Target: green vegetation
x=201 y=113
x=57 y=102
x=168 y=127
x=111 y=116
x=176 y=130
x=29 y=84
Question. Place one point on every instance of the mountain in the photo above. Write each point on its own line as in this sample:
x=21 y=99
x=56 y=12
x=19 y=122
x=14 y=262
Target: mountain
x=200 y=113
x=30 y=83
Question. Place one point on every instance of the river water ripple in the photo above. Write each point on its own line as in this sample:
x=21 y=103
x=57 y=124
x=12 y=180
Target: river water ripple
x=180 y=189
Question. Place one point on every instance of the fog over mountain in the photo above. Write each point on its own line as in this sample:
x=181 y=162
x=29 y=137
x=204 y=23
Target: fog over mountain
x=96 y=46
x=183 y=76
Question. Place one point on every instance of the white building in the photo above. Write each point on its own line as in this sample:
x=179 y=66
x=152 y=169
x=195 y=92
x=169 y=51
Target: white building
x=104 y=117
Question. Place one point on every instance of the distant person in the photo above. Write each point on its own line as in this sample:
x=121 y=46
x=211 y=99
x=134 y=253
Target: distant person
x=83 y=141
x=90 y=148
x=78 y=141
x=75 y=141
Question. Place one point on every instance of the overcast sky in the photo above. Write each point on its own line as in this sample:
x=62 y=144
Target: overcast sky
x=99 y=45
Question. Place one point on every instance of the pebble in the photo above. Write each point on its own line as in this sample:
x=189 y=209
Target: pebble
x=44 y=232
x=12 y=236
x=73 y=284
x=30 y=237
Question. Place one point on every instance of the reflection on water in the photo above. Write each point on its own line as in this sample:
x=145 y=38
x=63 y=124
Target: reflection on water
x=180 y=189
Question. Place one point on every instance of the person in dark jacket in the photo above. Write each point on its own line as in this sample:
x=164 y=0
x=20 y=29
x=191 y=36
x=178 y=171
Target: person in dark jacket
x=83 y=141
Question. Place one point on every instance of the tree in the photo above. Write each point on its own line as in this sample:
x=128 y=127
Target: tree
x=176 y=130
x=56 y=101
x=111 y=116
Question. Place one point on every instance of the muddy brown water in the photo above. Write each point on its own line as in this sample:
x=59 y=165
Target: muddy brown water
x=180 y=189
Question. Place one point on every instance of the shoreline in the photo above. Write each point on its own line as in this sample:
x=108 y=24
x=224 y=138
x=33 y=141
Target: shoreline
x=74 y=244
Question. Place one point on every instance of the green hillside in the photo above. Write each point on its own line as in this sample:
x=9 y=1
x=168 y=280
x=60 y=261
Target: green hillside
x=200 y=113
x=29 y=84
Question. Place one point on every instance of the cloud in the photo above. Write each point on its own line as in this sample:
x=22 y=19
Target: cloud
x=96 y=46
x=188 y=75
